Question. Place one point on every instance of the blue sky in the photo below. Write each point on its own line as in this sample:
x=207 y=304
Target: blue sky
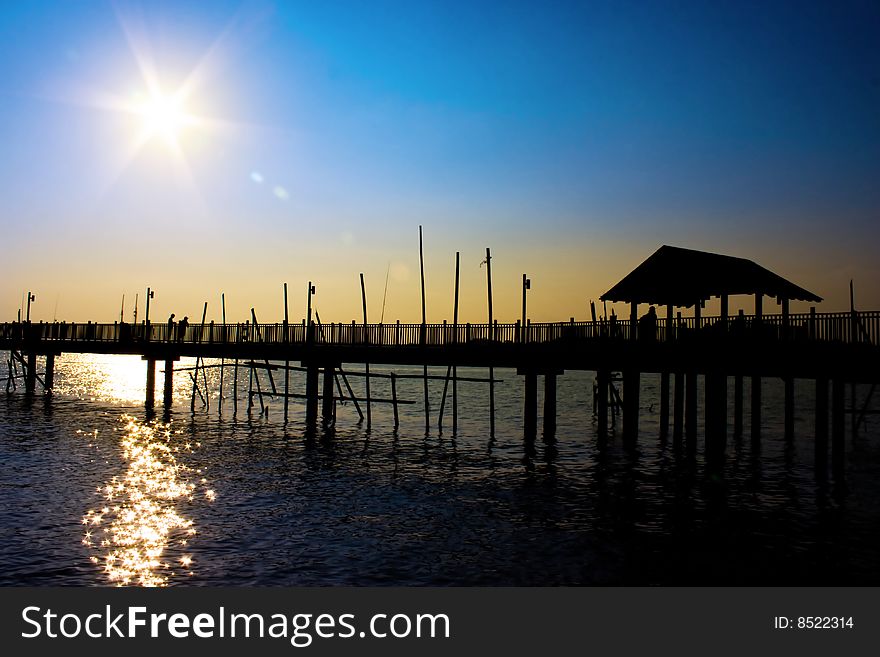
x=572 y=138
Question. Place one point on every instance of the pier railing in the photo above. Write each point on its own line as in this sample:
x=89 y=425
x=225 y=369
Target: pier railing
x=845 y=327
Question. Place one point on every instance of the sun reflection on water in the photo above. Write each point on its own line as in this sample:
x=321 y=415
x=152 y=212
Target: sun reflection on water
x=138 y=530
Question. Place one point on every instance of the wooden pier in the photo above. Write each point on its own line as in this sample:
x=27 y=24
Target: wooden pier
x=832 y=349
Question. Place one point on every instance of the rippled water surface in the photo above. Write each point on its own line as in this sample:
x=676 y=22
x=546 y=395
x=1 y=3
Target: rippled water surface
x=94 y=492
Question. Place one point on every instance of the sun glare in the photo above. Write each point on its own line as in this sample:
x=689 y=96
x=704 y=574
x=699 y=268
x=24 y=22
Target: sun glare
x=162 y=116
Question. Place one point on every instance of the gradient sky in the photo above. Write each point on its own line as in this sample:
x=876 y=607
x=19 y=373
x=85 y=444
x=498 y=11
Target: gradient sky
x=572 y=138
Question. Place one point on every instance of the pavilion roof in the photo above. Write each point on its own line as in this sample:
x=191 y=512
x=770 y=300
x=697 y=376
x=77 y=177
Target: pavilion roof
x=683 y=277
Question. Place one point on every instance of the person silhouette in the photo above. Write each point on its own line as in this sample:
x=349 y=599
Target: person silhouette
x=648 y=325
x=170 y=336
x=181 y=327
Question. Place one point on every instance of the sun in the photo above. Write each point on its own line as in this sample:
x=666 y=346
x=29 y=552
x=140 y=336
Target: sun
x=162 y=116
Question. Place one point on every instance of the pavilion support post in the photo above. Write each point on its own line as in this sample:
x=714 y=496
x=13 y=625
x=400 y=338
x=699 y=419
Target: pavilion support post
x=633 y=320
x=690 y=412
x=838 y=427
x=631 y=383
x=664 y=378
x=150 y=400
x=786 y=320
x=725 y=313
x=738 y=405
x=678 y=408
x=664 y=405
x=716 y=420
x=756 y=408
x=821 y=434
x=789 y=408
x=549 y=406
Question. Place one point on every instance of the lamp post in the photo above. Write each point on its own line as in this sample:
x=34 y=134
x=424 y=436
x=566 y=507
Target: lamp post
x=526 y=285
x=150 y=295
x=309 y=332
x=30 y=297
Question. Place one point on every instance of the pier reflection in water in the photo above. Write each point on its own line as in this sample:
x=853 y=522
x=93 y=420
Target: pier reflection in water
x=355 y=507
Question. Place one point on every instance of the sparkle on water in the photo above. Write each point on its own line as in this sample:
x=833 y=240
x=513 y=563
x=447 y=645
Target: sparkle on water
x=139 y=517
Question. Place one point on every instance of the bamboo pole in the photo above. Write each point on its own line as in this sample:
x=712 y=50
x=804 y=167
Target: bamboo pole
x=424 y=332
x=287 y=362
x=454 y=368
x=394 y=400
x=492 y=338
x=366 y=341
x=222 y=360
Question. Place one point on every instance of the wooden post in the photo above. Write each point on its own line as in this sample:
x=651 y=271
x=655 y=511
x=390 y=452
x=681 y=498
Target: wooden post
x=454 y=368
x=424 y=334
x=716 y=421
x=366 y=341
x=530 y=406
x=327 y=407
x=786 y=320
x=856 y=339
x=30 y=381
x=690 y=412
x=633 y=327
x=602 y=379
x=738 y=405
x=549 y=406
x=725 y=313
x=50 y=372
x=838 y=426
x=821 y=437
x=664 y=405
x=756 y=378
x=285 y=339
x=492 y=340
x=394 y=399
x=223 y=360
x=678 y=408
x=631 y=384
x=789 y=408
x=311 y=394
x=168 y=396
x=670 y=328
x=151 y=383
x=756 y=408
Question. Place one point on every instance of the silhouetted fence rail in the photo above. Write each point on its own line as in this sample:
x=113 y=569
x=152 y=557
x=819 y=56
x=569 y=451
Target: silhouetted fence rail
x=846 y=327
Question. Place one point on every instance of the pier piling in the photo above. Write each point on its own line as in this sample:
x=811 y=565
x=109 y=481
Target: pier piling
x=530 y=406
x=50 y=372
x=549 y=406
x=30 y=381
x=169 y=383
x=678 y=407
x=789 y=408
x=150 y=400
x=821 y=433
x=603 y=378
x=328 y=400
x=838 y=426
x=631 y=383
